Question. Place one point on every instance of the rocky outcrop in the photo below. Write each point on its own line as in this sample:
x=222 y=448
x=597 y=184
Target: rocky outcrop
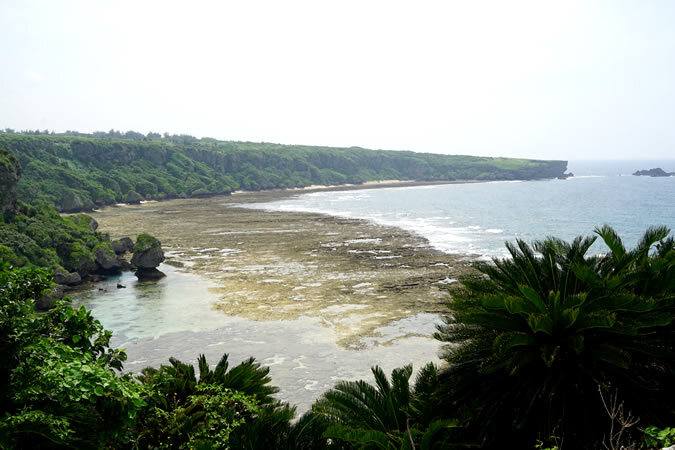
x=106 y=259
x=132 y=198
x=10 y=171
x=121 y=246
x=63 y=277
x=71 y=201
x=656 y=172
x=48 y=300
x=149 y=274
x=148 y=255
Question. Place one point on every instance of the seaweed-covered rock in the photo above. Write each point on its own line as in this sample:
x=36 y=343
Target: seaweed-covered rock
x=72 y=201
x=48 y=299
x=61 y=276
x=77 y=257
x=106 y=258
x=121 y=246
x=148 y=253
x=10 y=170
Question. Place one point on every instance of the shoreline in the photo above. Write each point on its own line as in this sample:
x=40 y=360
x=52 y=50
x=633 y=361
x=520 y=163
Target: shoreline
x=354 y=274
x=316 y=298
x=287 y=192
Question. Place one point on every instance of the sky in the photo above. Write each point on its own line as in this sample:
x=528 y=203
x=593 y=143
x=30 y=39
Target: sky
x=538 y=79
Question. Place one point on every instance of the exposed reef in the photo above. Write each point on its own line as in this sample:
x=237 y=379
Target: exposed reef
x=353 y=275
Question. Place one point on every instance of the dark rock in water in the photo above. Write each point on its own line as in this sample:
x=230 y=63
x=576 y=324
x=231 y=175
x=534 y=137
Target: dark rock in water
x=10 y=171
x=120 y=286
x=123 y=245
x=48 y=300
x=656 y=172
x=148 y=253
x=149 y=274
x=96 y=277
x=106 y=259
x=63 y=277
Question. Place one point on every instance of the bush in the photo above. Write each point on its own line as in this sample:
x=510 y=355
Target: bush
x=533 y=338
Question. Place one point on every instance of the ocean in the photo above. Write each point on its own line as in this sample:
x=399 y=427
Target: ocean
x=476 y=219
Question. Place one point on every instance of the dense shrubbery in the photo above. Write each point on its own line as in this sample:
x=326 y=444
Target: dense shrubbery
x=77 y=173
x=550 y=346
x=57 y=375
x=41 y=237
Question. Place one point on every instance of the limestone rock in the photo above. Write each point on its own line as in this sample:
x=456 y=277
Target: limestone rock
x=48 y=300
x=63 y=277
x=106 y=259
x=148 y=253
x=71 y=201
x=133 y=198
x=120 y=246
x=149 y=274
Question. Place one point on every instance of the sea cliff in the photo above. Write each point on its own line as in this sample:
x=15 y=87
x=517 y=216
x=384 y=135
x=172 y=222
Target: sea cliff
x=75 y=173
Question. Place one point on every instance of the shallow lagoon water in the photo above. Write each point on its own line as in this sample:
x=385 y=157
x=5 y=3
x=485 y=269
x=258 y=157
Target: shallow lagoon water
x=175 y=316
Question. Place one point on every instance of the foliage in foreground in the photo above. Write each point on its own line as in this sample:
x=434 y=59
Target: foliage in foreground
x=60 y=386
x=531 y=340
x=389 y=415
x=58 y=380
x=537 y=345
x=237 y=403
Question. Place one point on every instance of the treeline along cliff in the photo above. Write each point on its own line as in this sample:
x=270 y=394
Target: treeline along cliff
x=75 y=173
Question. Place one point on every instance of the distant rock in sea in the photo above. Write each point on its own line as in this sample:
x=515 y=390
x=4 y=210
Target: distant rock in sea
x=656 y=172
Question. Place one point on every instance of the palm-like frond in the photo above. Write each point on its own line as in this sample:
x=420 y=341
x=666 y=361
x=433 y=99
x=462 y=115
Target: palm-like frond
x=380 y=415
x=562 y=322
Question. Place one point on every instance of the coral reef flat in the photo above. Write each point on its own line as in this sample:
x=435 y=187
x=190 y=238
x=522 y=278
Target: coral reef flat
x=353 y=275
x=315 y=297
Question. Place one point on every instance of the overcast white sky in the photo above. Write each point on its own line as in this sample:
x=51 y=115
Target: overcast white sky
x=540 y=79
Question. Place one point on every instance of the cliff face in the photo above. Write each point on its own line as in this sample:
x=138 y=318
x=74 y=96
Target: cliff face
x=10 y=171
x=75 y=173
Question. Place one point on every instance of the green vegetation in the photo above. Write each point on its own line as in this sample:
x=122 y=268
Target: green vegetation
x=549 y=349
x=144 y=241
x=79 y=173
x=221 y=408
x=58 y=385
x=538 y=343
x=41 y=237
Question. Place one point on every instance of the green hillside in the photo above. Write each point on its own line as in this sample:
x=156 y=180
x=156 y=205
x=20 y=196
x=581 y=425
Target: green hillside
x=76 y=173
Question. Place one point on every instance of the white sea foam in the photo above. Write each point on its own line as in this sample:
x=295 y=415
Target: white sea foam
x=476 y=219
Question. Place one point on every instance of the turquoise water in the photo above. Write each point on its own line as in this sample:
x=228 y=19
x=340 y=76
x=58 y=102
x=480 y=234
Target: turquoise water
x=476 y=219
